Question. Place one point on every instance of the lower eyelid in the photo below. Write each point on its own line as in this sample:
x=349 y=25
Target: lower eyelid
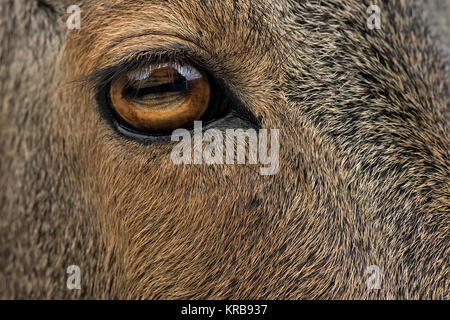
x=228 y=122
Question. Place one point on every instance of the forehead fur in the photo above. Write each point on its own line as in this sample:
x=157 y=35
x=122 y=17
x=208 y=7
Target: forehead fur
x=111 y=30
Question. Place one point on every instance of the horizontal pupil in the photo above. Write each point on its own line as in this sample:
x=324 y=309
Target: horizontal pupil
x=179 y=86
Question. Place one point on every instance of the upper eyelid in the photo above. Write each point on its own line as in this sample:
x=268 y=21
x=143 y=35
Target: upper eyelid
x=176 y=40
x=176 y=46
x=132 y=61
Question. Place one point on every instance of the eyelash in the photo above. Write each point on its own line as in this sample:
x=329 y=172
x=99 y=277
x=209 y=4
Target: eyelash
x=137 y=61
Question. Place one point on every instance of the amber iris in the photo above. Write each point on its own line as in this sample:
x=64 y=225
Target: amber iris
x=161 y=97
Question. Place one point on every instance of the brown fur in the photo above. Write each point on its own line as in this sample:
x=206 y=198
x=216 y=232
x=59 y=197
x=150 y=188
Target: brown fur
x=364 y=156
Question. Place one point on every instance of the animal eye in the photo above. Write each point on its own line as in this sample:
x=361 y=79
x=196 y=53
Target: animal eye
x=160 y=97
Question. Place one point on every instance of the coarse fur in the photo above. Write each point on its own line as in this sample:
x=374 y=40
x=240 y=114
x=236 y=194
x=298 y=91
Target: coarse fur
x=364 y=173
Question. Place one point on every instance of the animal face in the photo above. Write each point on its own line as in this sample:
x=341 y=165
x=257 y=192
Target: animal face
x=361 y=150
